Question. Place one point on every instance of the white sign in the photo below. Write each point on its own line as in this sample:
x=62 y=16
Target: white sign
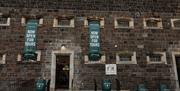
x=111 y=69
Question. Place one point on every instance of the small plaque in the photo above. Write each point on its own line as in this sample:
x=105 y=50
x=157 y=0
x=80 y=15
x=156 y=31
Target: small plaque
x=111 y=69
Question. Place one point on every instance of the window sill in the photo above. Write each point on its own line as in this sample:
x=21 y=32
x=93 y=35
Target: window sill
x=59 y=26
x=86 y=26
x=176 y=28
x=5 y=25
x=153 y=28
x=118 y=27
x=101 y=61
x=156 y=63
x=28 y=62
x=126 y=62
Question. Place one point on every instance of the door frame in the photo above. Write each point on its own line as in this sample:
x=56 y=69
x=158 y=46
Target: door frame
x=175 y=69
x=53 y=67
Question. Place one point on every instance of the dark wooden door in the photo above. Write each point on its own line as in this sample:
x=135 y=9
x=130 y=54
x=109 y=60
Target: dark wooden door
x=178 y=67
x=62 y=71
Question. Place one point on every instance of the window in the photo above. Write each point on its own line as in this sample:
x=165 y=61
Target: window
x=101 y=61
x=126 y=58
x=4 y=20
x=152 y=23
x=157 y=57
x=2 y=58
x=86 y=21
x=20 y=57
x=124 y=23
x=175 y=23
x=24 y=20
x=63 y=22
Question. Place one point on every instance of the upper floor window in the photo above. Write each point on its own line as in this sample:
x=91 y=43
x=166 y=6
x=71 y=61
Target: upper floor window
x=4 y=20
x=100 y=19
x=152 y=23
x=175 y=23
x=63 y=22
x=24 y=20
x=20 y=57
x=126 y=58
x=122 y=22
x=2 y=58
x=156 y=57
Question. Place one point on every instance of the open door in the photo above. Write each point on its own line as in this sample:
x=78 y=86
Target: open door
x=177 y=59
x=62 y=71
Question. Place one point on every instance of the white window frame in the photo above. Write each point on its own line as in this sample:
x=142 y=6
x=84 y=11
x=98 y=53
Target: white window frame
x=162 y=61
x=172 y=23
x=100 y=61
x=159 y=23
x=131 y=22
x=133 y=58
x=3 y=60
x=19 y=57
x=7 y=23
x=56 y=20
x=101 y=20
x=24 y=21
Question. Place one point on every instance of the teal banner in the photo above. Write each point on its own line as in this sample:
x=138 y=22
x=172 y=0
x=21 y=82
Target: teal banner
x=94 y=40
x=30 y=40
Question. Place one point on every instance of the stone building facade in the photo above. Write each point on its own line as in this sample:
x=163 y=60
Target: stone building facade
x=141 y=38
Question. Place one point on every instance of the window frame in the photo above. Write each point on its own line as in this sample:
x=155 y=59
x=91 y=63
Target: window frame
x=20 y=59
x=100 y=61
x=133 y=58
x=117 y=26
x=159 y=23
x=162 y=61
x=3 y=60
x=56 y=20
x=172 y=23
x=24 y=21
x=7 y=22
x=100 y=19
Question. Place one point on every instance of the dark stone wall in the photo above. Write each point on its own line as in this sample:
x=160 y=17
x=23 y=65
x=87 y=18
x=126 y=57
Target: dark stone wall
x=110 y=5
x=14 y=74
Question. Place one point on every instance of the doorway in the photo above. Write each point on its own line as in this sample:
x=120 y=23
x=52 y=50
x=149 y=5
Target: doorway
x=176 y=68
x=62 y=69
x=177 y=59
x=62 y=72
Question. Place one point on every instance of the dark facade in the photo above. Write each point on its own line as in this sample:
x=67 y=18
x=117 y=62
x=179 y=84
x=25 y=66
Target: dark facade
x=17 y=75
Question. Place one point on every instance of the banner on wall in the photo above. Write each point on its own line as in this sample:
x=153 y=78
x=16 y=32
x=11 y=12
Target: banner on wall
x=94 y=40
x=30 y=40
